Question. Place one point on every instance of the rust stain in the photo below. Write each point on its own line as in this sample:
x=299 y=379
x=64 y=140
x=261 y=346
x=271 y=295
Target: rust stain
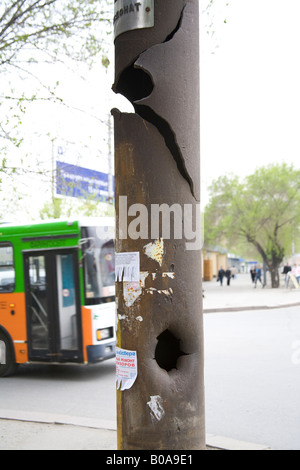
x=133 y=290
x=170 y=275
x=155 y=250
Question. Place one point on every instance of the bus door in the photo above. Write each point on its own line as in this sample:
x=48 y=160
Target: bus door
x=53 y=306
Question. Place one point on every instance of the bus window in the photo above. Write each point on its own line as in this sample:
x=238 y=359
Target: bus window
x=67 y=307
x=38 y=309
x=99 y=265
x=7 y=270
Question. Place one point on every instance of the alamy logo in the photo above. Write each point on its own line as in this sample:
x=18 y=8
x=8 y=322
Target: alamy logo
x=163 y=221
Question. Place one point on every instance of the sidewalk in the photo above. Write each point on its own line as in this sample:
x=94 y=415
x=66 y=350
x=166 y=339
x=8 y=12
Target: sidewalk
x=33 y=432
x=30 y=431
x=241 y=295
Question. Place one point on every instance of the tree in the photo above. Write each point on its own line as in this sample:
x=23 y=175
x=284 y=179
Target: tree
x=33 y=32
x=40 y=40
x=263 y=210
x=68 y=207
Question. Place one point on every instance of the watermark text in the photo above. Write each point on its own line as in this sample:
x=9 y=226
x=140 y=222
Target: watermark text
x=179 y=222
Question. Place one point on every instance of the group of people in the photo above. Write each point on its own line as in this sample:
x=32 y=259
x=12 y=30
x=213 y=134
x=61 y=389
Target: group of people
x=255 y=273
x=224 y=274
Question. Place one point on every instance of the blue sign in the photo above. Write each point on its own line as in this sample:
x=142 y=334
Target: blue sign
x=75 y=181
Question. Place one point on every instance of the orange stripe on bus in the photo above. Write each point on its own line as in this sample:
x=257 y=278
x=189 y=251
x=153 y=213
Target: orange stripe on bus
x=13 y=319
x=87 y=334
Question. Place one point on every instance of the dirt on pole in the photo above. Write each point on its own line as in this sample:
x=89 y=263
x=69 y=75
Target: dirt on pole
x=160 y=396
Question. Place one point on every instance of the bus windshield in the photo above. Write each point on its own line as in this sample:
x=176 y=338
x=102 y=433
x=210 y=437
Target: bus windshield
x=7 y=272
x=97 y=245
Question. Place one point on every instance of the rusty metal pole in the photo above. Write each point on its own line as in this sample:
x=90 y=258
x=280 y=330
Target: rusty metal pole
x=160 y=396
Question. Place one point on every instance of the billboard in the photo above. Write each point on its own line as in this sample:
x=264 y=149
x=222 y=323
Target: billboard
x=79 y=182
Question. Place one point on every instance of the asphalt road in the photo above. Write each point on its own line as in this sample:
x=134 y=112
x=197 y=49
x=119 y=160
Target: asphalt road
x=86 y=392
x=252 y=376
x=252 y=381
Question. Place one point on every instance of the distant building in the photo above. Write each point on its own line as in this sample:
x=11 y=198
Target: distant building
x=213 y=258
x=237 y=264
x=251 y=264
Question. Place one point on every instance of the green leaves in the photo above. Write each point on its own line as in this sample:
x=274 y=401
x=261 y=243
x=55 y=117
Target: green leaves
x=35 y=33
x=43 y=23
x=263 y=210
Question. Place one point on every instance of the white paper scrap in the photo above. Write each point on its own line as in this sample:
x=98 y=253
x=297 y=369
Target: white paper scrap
x=127 y=267
x=126 y=368
x=155 y=405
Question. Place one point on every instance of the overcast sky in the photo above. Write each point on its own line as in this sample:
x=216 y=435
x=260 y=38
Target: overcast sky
x=250 y=92
x=250 y=86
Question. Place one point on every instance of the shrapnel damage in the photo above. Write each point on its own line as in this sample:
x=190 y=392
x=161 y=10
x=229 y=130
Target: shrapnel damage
x=144 y=84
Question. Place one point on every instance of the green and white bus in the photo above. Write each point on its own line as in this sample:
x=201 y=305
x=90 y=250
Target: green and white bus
x=57 y=293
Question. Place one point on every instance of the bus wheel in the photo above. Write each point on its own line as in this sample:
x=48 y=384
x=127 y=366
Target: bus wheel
x=7 y=357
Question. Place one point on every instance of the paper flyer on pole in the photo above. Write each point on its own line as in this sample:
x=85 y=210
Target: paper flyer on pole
x=126 y=368
x=127 y=267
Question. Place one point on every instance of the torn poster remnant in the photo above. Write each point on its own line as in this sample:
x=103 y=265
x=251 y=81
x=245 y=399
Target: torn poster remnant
x=155 y=404
x=133 y=290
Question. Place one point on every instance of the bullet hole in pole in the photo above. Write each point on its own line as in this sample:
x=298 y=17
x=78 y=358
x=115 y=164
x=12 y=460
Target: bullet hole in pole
x=134 y=84
x=167 y=351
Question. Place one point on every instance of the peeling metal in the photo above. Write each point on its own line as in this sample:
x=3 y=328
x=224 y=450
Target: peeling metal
x=130 y=45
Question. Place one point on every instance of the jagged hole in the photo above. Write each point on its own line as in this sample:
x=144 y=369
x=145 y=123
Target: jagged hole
x=134 y=84
x=167 y=351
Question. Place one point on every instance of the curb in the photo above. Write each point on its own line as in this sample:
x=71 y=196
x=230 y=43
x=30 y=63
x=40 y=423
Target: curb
x=248 y=308
x=213 y=442
x=226 y=443
x=48 y=418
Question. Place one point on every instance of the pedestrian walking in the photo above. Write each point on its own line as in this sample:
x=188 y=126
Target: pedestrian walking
x=287 y=271
x=228 y=276
x=221 y=275
x=253 y=274
x=258 y=276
